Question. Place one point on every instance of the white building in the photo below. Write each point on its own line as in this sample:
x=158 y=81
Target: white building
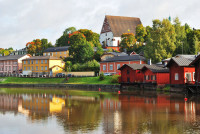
x=113 y=27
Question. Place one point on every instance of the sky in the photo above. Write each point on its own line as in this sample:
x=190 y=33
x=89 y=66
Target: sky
x=22 y=21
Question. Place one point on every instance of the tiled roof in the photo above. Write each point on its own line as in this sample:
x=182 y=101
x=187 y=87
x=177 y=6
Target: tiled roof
x=43 y=58
x=57 y=49
x=180 y=61
x=133 y=66
x=125 y=58
x=156 y=69
x=11 y=57
x=192 y=57
x=121 y=24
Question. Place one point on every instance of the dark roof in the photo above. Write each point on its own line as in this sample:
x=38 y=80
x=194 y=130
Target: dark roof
x=11 y=57
x=180 y=61
x=191 y=57
x=125 y=58
x=156 y=69
x=57 y=49
x=43 y=58
x=133 y=66
x=196 y=61
x=121 y=24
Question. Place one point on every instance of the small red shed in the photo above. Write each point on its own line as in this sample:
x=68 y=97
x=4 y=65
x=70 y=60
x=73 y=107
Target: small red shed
x=155 y=74
x=130 y=73
x=196 y=64
x=180 y=71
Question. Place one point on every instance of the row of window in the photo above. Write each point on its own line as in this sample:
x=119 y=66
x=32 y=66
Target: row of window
x=36 y=68
x=8 y=68
x=111 y=67
x=36 y=61
x=149 y=77
x=51 y=54
x=187 y=76
x=8 y=63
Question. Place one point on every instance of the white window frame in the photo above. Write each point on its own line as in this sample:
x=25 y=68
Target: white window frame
x=41 y=61
x=104 y=67
x=176 y=76
x=118 y=66
x=45 y=61
x=111 y=67
x=193 y=76
x=190 y=76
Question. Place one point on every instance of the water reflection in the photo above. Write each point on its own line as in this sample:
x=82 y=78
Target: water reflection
x=140 y=112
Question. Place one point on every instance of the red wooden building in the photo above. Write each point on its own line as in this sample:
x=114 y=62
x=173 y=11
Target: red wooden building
x=155 y=74
x=180 y=71
x=112 y=65
x=196 y=64
x=130 y=73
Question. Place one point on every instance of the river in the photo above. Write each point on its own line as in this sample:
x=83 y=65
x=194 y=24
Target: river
x=67 y=111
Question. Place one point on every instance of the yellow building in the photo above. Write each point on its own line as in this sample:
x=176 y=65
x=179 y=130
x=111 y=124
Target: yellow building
x=43 y=65
x=60 y=52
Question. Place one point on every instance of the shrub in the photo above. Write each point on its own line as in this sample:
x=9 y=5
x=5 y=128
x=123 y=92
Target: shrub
x=114 y=79
x=101 y=76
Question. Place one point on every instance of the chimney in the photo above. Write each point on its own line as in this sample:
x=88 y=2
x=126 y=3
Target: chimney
x=149 y=62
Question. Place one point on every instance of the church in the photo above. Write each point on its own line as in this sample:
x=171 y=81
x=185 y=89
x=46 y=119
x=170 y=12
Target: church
x=113 y=27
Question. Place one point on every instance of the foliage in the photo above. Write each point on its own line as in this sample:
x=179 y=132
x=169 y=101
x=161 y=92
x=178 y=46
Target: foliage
x=161 y=43
x=81 y=50
x=115 y=79
x=101 y=76
x=140 y=33
x=98 y=53
x=64 y=39
x=128 y=41
x=68 y=66
x=7 y=51
x=37 y=46
x=92 y=65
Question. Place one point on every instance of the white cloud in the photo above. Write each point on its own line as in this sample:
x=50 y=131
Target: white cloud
x=24 y=20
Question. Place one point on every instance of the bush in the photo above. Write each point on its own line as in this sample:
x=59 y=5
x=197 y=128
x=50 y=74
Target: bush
x=114 y=79
x=101 y=76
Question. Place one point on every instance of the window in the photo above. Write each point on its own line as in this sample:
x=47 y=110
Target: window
x=9 y=68
x=128 y=79
x=24 y=62
x=64 y=52
x=128 y=72
x=28 y=61
x=31 y=61
x=104 y=67
x=118 y=66
x=45 y=61
x=36 y=61
x=24 y=68
x=32 y=68
x=151 y=77
x=44 y=54
x=28 y=68
x=41 y=67
x=56 y=53
x=193 y=76
x=36 y=67
x=49 y=54
x=176 y=76
x=45 y=67
x=41 y=61
x=60 y=52
x=111 y=67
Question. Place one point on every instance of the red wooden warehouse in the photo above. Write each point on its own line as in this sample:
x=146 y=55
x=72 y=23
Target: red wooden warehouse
x=180 y=71
x=196 y=64
x=130 y=73
x=155 y=74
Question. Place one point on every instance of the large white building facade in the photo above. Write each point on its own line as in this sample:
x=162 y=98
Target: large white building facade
x=113 y=27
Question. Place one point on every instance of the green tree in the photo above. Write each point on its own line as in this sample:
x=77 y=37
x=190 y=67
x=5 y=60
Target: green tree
x=161 y=43
x=69 y=30
x=128 y=41
x=140 y=33
x=98 y=53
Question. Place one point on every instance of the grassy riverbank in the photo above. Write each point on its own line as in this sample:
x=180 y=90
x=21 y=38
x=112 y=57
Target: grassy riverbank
x=73 y=80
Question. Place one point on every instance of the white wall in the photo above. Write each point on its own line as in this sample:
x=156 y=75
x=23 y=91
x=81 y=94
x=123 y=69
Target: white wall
x=108 y=35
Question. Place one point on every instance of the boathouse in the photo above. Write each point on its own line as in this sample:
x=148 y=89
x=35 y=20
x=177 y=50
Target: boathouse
x=130 y=73
x=155 y=74
x=180 y=71
x=196 y=64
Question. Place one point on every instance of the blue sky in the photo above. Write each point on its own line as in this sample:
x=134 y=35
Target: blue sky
x=22 y=21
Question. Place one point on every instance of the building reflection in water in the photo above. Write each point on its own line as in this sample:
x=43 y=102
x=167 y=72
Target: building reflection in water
x=140 y=113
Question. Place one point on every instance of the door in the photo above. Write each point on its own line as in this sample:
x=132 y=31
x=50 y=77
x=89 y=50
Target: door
x=188 y=77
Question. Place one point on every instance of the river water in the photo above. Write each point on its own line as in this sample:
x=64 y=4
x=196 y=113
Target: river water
x=98 y=113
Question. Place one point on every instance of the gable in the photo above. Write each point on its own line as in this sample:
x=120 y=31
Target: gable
x=106 y=27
